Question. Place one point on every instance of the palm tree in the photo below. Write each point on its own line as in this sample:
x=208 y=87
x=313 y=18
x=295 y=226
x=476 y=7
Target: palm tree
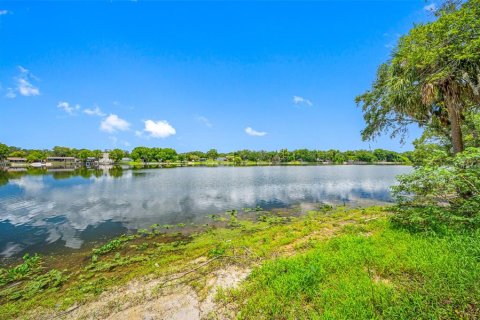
x=433 y=78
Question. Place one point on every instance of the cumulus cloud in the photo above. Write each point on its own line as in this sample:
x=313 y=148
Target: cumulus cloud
x=65 y=106
x=205 y=121
x=24 y=83
x=297 y=100
x=94 y=112
x=254 y=133
x=114 y=123
x=430 y=7
x=159 y=129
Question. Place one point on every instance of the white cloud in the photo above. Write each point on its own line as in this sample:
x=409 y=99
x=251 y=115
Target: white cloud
x=4 y=12
x=26 y=88
x=297 y=100
x=205 y=121
x=430 y=7
x=94 y=112
x=65 y=106
x=113 y=123
x=159 y=129
x=22 y=69
x=254 y=133
x=24 y=85
x=10 y=93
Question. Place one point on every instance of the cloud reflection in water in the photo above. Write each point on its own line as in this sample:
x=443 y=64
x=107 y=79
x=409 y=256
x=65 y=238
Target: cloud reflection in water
x=61 y=210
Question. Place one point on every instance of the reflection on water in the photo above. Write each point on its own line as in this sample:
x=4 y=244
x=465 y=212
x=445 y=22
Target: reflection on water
x=43 y=209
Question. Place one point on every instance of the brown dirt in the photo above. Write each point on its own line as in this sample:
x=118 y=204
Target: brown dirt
x=141 y=299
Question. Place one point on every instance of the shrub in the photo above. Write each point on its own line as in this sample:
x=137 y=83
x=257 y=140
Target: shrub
x=442 y=191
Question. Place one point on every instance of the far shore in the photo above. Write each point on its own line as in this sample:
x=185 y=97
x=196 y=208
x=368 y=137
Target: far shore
x=136 y=164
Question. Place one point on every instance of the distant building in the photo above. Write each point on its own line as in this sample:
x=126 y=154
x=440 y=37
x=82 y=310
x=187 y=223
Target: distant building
x=91 y=161
x=105 y=159
x=64 y=160
x=17 y=162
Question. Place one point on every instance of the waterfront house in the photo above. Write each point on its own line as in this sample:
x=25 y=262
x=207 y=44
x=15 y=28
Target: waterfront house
x=61 y=161
x=91 y=161
x=17 y=162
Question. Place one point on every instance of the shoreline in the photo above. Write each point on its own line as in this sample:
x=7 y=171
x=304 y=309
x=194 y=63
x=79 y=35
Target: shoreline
x=135 y=165
x=116 y=257
x=214 y=272
x=186 y=228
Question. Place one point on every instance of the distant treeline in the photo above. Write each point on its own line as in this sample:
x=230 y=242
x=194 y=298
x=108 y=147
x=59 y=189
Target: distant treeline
x=145 y=154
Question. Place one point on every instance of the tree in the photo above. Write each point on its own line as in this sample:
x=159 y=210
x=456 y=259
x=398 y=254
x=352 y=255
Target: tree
x=212 y=154
x=36 y=155
x=61 y=151
x=97 y=153
x=19 y=154
x=285 y=155
x=141 y=153
x=237 y=160
x=84 y=154
x=433 y=78
x=169 y=155
x=116 y=155
x=365 y=156
x=4 y=151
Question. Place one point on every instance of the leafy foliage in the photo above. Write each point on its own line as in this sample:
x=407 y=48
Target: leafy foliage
x=433 y=78
x=112 y=245
x=30 y=264
x=442 y=191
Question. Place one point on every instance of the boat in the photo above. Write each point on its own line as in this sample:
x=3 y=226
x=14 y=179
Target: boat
x=37 y=164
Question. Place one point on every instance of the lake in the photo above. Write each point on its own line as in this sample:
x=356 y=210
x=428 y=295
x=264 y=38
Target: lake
x=44 y=211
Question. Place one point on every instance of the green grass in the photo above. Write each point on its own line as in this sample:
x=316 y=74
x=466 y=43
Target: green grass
x=334 y=263
x=390 y=274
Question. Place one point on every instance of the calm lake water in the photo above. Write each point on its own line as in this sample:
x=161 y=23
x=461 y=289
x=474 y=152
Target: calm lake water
x=45 y=211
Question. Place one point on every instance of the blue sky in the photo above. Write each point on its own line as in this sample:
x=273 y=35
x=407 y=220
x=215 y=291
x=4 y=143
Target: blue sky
x=194 y=75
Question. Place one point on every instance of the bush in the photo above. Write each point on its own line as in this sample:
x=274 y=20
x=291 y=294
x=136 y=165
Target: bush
x=444 y=191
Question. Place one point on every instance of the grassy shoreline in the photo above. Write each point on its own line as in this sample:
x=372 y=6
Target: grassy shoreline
x=329 y=263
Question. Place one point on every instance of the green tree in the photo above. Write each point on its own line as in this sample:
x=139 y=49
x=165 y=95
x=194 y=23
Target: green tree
x=36 y=155
x=84 y=154
x=433 y=79
x=116 y=155
x=237 y=160
x=142 y=154
x=97 y=153
x=61 y=151
x=4 y=151
x=212 y=154
x=169 y=155
x=365 y=156
x=19 y=154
